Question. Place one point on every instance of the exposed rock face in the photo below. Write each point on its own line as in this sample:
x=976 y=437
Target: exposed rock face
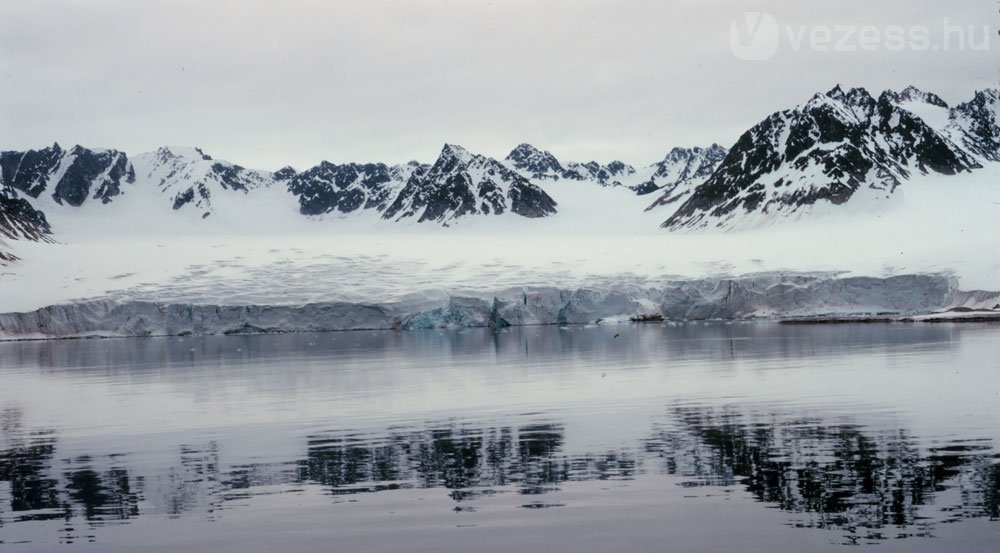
x=535 y=163
x=825 y=150
x=612 y=174
x=680 y=172
x=460 y=184
x=29 y=171
x=20 y=221
x=976 y=124
x=765 y=295
x=328 y=188
x=70 y=177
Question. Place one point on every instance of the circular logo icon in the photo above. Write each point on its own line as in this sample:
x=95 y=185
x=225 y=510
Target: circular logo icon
x=754 y=37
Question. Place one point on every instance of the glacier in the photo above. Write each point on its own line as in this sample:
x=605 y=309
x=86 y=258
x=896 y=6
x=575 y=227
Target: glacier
x=745 y=297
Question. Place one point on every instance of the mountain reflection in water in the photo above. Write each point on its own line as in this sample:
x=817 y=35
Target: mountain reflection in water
x=824 y=469
x=829 y=476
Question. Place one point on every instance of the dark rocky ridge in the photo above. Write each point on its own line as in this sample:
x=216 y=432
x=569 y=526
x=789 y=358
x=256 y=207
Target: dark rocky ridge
x=84 y=174
x=328 y=187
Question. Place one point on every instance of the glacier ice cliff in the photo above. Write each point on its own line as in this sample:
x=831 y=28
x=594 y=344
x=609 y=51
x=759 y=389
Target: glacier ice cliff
x=734 y=298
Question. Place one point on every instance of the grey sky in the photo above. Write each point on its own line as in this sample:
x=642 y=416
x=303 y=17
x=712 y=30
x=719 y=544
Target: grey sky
x=294 y=82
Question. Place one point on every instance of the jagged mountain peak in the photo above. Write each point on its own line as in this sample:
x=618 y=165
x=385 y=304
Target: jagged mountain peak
x=678 y=153
x=914 y=94
x=976 y=124
x=455 y=151
x=189 y=152
x=524 y=149
x=285 y=173
x=854 y=105
x=987 y=95
x=537 y=163
x=849 y=95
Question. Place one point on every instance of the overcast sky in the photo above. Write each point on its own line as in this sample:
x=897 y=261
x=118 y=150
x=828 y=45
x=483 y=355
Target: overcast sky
x=267 y=84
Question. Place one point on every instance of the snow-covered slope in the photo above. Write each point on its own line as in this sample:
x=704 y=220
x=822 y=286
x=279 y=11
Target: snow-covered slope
x=189 y=179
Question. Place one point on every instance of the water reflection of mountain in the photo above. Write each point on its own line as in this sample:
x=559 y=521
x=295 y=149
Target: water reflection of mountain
x=39 y=491
x=835 y=475
x=457 y=458
x=826 y=475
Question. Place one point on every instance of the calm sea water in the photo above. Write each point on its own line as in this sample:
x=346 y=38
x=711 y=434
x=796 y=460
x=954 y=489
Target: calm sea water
x=717 y=437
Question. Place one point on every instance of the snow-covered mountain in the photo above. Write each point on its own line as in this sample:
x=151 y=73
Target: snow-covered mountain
x=678 y=174
x=41 y=179
x=674 y=176
x=461 y=183
x=533 y=163
x=189 y=178
x=827 y=150
x=54 y=181
x=976 y=124
x=840 y=147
